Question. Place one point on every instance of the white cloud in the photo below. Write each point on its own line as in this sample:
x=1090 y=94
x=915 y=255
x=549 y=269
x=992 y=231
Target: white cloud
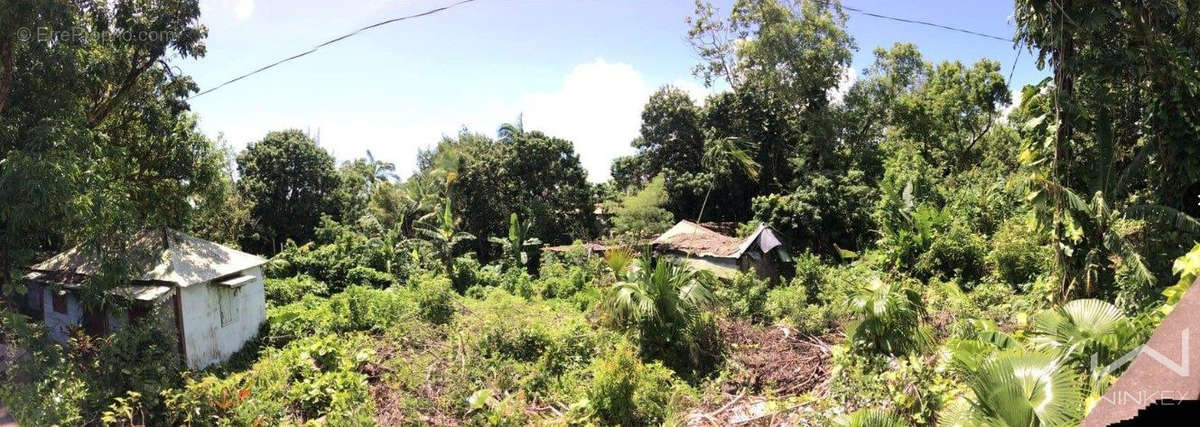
x=598 y=107
x=697 y=91
x=242 y=9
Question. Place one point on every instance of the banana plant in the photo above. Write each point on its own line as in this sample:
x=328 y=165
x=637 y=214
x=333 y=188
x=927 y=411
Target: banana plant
x=515 y=247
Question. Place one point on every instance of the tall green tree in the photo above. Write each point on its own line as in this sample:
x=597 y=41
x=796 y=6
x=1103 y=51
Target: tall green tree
x=528 y=172
x=641 y=214
x=291 y=183
x=1124 y=92
x=95 y=137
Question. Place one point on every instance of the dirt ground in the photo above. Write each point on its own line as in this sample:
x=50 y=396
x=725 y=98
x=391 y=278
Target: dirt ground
x=771 y=359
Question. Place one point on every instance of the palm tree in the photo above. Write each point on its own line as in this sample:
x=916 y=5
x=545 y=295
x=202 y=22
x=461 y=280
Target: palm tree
x=664 y=301
x=1018 y=388
x=619 y=260
x=1082 y=329
x=509 y=132
x=871 y=417
x=443 y=237
x=379 y=171
x=889 y=318
x=515 y=247
x=726 y=152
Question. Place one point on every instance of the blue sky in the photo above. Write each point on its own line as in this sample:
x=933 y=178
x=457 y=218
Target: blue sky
x=578 y=69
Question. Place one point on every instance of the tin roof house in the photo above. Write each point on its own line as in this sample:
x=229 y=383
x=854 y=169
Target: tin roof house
x=210 y=295
x=704 y=249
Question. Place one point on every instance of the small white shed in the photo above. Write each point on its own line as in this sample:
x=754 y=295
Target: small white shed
x=210 y=295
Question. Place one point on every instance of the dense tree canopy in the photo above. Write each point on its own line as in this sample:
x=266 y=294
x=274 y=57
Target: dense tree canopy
x=539 y=177
x=94 y=130
x=291 y=183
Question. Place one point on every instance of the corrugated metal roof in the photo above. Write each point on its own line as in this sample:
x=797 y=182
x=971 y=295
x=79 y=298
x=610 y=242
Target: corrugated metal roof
x=170 y=256
x=695 y=239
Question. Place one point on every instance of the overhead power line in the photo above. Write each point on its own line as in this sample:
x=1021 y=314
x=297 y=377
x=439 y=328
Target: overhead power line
x=927 y=23
x=332 y=41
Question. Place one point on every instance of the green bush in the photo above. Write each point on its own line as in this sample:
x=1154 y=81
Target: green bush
x=785 y=300
x=362 y=275
x=435 y=299
x=292 y=289
x=810 y=273
x=957 y=252
x=624 y=391
x=314 y=378
x=1017 y=255
x=790 y=305
x=744 y=295
x=74 y=383
x=357 y=308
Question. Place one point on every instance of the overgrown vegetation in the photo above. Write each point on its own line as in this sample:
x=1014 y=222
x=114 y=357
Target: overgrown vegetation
x=954 y=260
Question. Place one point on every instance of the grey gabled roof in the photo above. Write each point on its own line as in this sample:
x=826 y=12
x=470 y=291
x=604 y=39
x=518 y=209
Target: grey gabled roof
x=164 y=255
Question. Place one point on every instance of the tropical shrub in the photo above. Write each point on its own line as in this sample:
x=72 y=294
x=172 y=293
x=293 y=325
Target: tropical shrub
x=74 y=383
x=1084 y=328
x=362 y=275
x=1018 y=387
x=889 y=318
x=355 y=309
x=790 y=305
x=744 y=295
x=292 y=289
x=667 y=304
x=955 y=252
x=435 y=299
x=624 y=391
x=313 y=378
x=1017 y=255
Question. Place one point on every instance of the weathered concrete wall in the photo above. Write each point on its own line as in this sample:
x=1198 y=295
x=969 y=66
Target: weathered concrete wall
x=58 y=323
x=206 y=340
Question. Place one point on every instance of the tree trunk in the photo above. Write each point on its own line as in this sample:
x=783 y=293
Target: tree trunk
x=1064 y=86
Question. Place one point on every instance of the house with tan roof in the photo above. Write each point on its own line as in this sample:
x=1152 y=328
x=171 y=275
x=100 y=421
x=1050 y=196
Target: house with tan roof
x=705 y=249
x=210 y=296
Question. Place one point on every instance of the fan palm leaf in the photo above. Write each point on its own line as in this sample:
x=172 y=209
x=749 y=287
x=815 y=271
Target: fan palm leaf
x=1078 y=326
x=1025 y=389
x=873 y=418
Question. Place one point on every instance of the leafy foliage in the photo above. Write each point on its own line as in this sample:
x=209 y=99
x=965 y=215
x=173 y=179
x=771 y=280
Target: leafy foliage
x=890 y=318
x=292 y=183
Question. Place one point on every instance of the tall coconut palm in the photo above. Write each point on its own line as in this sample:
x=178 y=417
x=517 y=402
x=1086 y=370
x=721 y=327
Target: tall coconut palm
x=379 y=171
x=509 y=132
x=727 y=152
